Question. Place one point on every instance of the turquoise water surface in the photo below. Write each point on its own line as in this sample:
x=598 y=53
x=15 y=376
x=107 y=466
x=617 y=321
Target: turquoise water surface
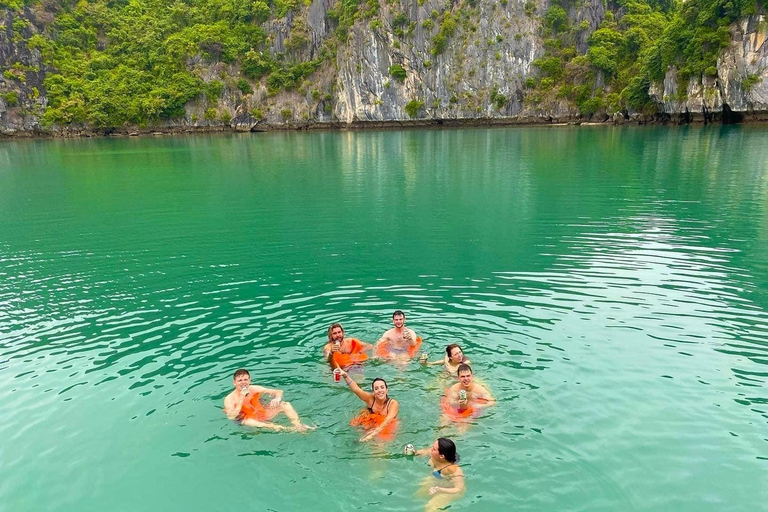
x=609 y=284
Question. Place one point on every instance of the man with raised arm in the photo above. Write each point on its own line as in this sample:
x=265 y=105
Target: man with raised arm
x=244 y=405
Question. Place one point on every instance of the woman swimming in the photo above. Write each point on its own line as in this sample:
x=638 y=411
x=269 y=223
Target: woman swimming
x=379 y=419
x=454 y=356
x=446 y=473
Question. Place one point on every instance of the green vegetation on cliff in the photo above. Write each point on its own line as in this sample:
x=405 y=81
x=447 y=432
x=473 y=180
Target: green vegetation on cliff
x=631 y=49
x=116 y=62
x=135 y=61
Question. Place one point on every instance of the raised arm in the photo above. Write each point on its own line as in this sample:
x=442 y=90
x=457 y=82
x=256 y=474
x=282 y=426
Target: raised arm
x=362 y=395
x=392 y=411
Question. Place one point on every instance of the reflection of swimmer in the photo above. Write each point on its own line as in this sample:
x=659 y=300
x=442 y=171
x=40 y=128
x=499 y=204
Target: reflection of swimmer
x=447 y=480
x=244 y=405
x=466 y=398
x=454 y=357
x=344 y=351
x=399 y=342
x=380 y=417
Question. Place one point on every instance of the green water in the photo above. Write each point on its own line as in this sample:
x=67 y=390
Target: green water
x=610 y=286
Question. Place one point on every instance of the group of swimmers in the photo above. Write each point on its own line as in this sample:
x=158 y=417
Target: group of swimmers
x=463 y=400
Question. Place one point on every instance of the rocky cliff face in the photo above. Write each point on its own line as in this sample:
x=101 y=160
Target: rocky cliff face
x=493 y=53
x=417 y=61
x=740 y=89
x=22 y=96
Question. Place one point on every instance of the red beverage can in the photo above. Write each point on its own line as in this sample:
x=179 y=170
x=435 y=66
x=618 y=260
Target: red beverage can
x=337 y=375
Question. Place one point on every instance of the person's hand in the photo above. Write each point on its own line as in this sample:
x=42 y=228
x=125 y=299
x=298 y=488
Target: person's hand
x=343 y=374
x=275 y=402
x=463 y=403
x=335 y=347
x=434 y=490
x=367 y=437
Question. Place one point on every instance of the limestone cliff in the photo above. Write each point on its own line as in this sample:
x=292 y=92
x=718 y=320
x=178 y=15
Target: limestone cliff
x=740 y=88
x=427 y=61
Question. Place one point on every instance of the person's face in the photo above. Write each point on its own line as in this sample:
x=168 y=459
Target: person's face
x=465 y=378
x=456 y=355
x=242 y=381
x=337 y=334
x=399 y=321
x=434 y=452
x=380 y=390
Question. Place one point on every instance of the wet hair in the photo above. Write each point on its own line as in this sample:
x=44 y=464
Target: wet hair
x=447 y=449
x=240 y=372
x=398 y=313
x=332 y=327
x=463 y=368
x=450 y=348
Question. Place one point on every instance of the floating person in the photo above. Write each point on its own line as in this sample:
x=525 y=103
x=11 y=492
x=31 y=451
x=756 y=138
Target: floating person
x=454 y=357
x=400 y=342
x=244 y=405
x=344 y=352
x=379 y=419
x=466 y=399
x=447 y=481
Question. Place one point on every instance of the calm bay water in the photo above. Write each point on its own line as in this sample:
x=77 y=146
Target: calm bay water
x=610 y=286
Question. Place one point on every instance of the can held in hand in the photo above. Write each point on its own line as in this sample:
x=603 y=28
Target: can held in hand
x=462 y=399
x=337 y=375
x=409 y=449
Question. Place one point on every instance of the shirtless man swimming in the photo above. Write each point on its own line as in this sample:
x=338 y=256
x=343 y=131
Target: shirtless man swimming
x=338 y=343
x=477 y=396
x=399 y=339
x=244 y=405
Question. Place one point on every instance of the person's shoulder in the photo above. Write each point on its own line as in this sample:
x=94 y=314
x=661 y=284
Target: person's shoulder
x=229 y=397
x=479 y=388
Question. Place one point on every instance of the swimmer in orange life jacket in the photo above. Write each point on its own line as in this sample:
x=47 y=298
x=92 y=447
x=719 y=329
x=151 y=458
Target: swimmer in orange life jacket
x=400 y=341
x=244 y=405
x=454 y=357
x=379 y=419
x=338 y=344
x=447 y=480
x=477 y=397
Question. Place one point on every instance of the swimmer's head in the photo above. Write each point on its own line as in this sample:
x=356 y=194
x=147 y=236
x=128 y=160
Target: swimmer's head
x=241 y=378
x=335 y=332
x=464 y=372
x=240 y=372
x=379 y=388
x=398 y=318
x=454 y=353
x=445 y=448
